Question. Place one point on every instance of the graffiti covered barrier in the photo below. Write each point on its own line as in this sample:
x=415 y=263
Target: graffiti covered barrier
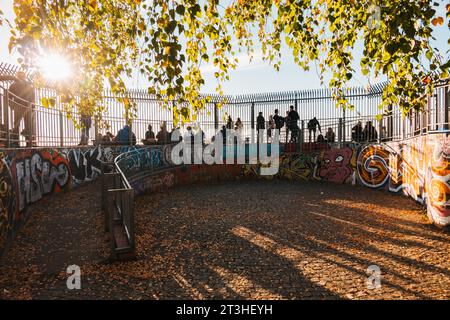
x=28 y=175
x=418 y=167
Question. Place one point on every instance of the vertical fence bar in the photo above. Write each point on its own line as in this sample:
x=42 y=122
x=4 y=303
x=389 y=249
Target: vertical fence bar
x=61 y=129
x=216 y=117
x=7 y=126
x=446 y=105
x=252 y=112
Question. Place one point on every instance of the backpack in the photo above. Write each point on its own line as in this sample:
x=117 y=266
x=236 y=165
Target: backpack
x=279 y=122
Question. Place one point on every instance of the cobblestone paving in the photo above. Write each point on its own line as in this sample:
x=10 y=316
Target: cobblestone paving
x=241 y=240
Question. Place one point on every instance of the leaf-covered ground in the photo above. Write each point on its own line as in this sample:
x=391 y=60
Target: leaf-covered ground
x=246 y=239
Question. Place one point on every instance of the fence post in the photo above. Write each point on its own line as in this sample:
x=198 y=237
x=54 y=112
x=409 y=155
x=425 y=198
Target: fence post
x=6 y=114
x=340 y=132
x=253 y=122
x=343 y=127
x=61 y=129
x=403 y=127
x=29 y=137
x=390 y=122
x=380 y=129
x=130 y=134
x=216 y=116
x=446 y=106
x=302 y=133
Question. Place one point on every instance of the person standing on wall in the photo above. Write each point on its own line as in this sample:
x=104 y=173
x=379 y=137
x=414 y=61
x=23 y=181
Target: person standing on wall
x=370 y=133
x=22 y=103
x=286 y=121
x=313 y=124
x=357 y=132
x=293 y=124
x=260 y=124
x=270 y=128
x=86 y=123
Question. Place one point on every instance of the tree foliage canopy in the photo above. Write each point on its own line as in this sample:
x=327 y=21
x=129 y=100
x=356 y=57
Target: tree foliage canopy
x=168 y=41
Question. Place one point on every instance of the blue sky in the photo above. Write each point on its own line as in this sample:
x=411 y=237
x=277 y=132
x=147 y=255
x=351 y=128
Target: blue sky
x=255 y=76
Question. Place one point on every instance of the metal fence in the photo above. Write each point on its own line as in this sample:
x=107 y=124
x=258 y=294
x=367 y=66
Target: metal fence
x=54 y=126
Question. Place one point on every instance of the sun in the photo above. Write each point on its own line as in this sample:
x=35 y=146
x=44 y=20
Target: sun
x=55 y=67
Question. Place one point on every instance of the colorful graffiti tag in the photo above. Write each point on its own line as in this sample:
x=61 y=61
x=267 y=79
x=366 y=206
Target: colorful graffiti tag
x=38 y=173
x=85 y=164
x=7 y=201
x=419 y=168
x=336 y=165
x=27 y=175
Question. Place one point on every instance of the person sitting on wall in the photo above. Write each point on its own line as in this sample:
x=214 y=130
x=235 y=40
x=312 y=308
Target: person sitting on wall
x=108 y=138
x=370 y=133
x=357 y=132
x=238 y=127
x=163 y=136
x=330 y=136
x=313 y=124
x=123 y=136
x=321 y=139
x=149 y=136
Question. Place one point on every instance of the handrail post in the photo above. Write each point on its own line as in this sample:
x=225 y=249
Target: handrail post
x=129 y=196
x=109 y=183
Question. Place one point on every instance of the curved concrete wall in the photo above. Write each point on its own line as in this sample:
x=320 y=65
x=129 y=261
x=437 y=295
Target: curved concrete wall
x=28 y=175
x=418 y=167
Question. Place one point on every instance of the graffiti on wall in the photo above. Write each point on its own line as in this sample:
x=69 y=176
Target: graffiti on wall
x=335 y=165
x=7 y=201
x=38 y=173
x=85 y=164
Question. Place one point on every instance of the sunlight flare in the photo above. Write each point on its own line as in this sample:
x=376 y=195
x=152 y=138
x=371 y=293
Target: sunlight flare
x=55 y=67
